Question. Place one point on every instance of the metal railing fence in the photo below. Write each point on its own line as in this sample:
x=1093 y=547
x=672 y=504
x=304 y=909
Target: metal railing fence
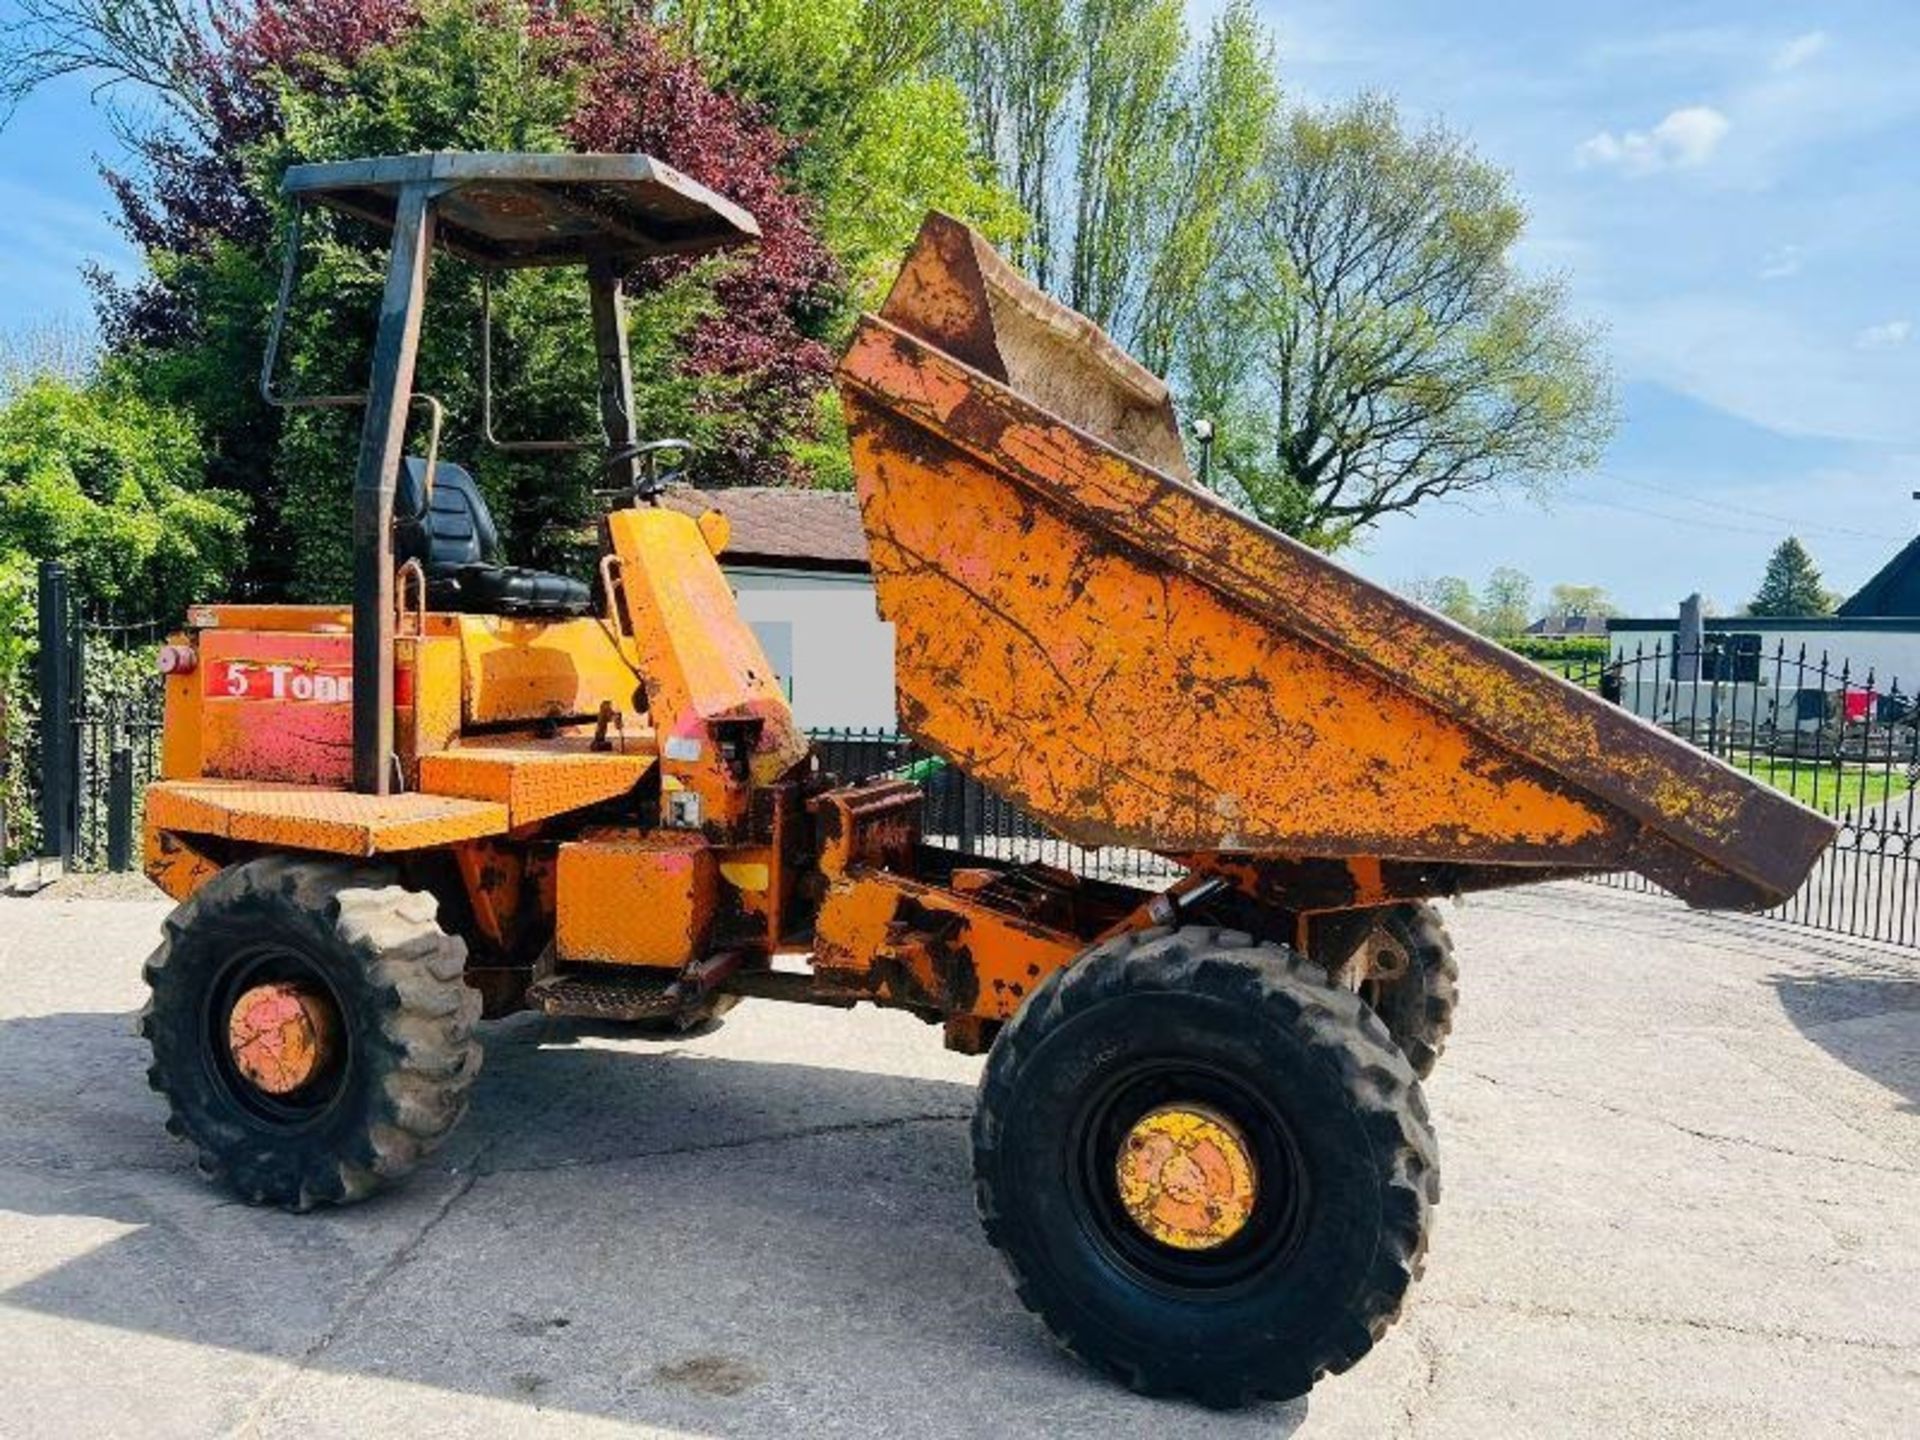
x=1842 y=740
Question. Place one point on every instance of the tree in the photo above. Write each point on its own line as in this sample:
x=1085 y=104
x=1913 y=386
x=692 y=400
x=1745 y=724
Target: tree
x=733 y=352
x=1450 y=596
x=764 y=339
x=60 y=348
x=834 y=121
x=1791 y=585
x=150 y=44
x=885 y=133
x=1017 y=65
x=99 y=477
x=1231 y=105
x=1371 y=333
x=1132 y=151
x=1506 y=602
x=1580 y=600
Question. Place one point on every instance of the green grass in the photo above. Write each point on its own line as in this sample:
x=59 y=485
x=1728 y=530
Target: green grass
x=1827 y=787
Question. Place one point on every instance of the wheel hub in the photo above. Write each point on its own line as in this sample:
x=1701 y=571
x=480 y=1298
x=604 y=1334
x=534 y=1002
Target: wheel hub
x=1186 y=1176
x=281 y=1035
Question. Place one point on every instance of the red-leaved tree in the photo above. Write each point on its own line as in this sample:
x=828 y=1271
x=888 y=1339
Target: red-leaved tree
x=639 y=94
x=191 y=185
x=198 y=198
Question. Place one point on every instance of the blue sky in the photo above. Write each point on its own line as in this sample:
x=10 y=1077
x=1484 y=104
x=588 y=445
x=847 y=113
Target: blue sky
x=1732 y=190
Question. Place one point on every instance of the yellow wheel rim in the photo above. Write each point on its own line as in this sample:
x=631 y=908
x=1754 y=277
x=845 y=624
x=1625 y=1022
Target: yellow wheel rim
x=1186 y=1176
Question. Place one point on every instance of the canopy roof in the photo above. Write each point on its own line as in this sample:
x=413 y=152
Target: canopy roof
x=509 y=209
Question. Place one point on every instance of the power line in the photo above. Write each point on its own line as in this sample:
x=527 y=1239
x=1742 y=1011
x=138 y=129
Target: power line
x=1811 y=526
x=1722 y=526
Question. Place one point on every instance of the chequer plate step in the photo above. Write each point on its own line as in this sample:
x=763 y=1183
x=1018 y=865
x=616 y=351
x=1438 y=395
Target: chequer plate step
x=535 y=780
x=307 y=817
x=644 y=996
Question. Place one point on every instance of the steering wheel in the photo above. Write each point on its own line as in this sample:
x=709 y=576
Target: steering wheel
x=653 y=479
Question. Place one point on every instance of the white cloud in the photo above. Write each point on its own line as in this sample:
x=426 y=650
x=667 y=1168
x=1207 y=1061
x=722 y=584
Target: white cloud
x=1753 y=358
x=1686 y=138
x=1781 y=262
x=1884 y=336
x=1799 y=50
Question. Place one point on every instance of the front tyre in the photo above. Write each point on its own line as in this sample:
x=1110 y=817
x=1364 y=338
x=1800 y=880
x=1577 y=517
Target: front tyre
x=311 y=1032
x=1209 y=1169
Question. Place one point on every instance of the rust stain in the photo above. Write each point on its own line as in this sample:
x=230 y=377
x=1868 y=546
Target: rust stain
x=1186 y=1177
x=922 y=946
x=174 y=862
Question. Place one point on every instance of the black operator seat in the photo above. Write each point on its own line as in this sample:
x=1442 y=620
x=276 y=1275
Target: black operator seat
x=455 y=542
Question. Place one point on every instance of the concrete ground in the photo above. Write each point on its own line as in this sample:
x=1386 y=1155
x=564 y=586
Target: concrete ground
x=1682 y=1196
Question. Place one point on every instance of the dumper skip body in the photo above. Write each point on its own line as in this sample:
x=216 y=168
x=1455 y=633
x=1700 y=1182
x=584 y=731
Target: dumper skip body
x=1139 y=664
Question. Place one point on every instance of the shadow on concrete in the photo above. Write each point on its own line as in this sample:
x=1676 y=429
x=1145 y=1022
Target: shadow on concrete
x=661 y=1236
x=1867 y=1017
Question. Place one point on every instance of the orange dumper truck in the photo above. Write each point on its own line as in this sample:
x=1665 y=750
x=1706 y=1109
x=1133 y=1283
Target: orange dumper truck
x=1201 y=1143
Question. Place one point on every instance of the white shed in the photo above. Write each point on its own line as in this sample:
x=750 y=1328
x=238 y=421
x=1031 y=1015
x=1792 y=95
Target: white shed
x=1770 y=649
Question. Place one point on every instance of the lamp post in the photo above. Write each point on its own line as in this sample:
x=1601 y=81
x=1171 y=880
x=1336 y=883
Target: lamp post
x=1203 y=436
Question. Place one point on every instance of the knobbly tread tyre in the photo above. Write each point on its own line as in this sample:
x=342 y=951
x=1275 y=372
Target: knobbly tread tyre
x=1418 y=1008
x=398 y=979
x=1292 y=1004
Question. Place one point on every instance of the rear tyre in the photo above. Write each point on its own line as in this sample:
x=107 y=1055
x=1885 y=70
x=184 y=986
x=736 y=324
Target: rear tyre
x=1417 y=1002
x=1208 y=1168
x=311 y=1032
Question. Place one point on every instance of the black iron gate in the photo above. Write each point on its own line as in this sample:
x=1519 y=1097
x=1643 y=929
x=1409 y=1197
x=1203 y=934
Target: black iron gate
x=1840 y=738
x=101 y=700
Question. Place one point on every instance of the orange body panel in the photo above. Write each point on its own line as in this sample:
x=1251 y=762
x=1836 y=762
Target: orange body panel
x=532 y=670
x=180 y=743
x=1159 y=697
x=534 y=779
x=900 y=942
x=276 y=706
x=432 y=721
x=301 y=817
x=635 y=900
x=318 y=619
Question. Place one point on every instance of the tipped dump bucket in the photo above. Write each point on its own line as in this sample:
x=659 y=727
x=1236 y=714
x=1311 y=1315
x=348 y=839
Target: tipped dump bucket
x=1085 y=631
